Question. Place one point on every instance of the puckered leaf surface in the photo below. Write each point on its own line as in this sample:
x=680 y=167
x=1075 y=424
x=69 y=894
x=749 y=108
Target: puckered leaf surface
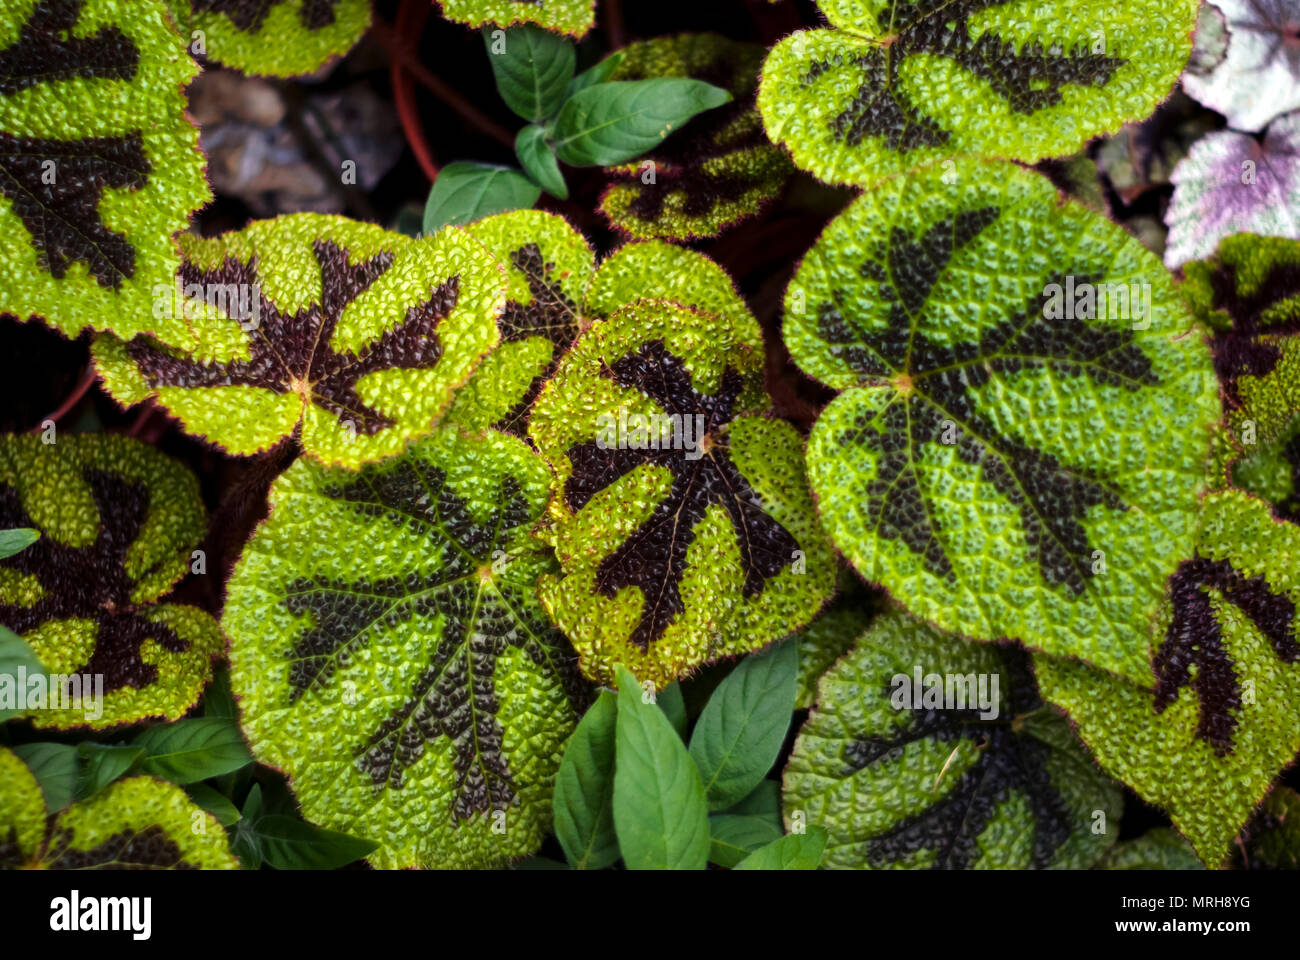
x=1158 y=849
x=347 y=336
x=119 y=521
x=824 y=641
x=136 y=824
x=1016 y=453
x=1231 y=182
x=904 y=82
x=413 y=690
x=1257 y=76
x=1273 y=839
x=677 y=548
x=719 y=168
x=99 y=165
x=279 y=38
x=1213 y=721
x=574 y=17
x=909 y=783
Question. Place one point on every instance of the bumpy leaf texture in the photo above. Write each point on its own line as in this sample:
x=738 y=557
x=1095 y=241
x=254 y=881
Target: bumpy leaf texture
x=119 y=522
x=718 y=169
x=574 y=17
x=1209 y=727
x=1257 y=76
x=99 y=165
x=1016 y=451
x=918 y=782
x=1249 y=293
x=344 y=335
x=279 y=38
x=413 y=691
x=683 y=523
x=1230 y=183
x=1272 y=842
x=904 y=82
x=136 y=824
x=1158 y=849
x=824 y=641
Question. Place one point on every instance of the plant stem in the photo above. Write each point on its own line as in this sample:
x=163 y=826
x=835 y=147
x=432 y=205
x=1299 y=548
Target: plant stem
x=84 y=384
x=404 y=91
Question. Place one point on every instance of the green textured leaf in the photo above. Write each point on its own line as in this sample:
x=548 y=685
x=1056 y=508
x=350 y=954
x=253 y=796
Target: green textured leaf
x=903 y=83
x=54 y=765
x=733 y=837
x=584 y=789
x=14 y=654
x=347 y=336
x=1211 y=724
x=191 y=750
x=215 y=803
x=532 y=68
x=1158 y=849
x=413 y=691
x=539 y=162
x=102 y=764
x=700 y=547
x=612 y=122
x=798 y=851
x=465 y=192
x=120 y=523
x=908 y=775
x=1018 y=449
x=279 y=38
x=17 y=540
x=136 y=824
x=823 y=642
x=742 y=727
x=1249 y=293
x=720 y=168
x=1272 y=842
x=572 y=17
x=99 y=164
x=289 y=844
x=659 y=807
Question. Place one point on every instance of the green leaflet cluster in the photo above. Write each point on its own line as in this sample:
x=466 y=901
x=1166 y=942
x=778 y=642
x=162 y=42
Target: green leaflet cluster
x=414 y=690
x=119 y=522
x=573 y=17
x=1208 y=728
x=716 y=171
x=898 y=83
x=1249 y=295
x=677 y=552
x=136 y=824
x=99 y=165
x=1025 y=415
x=346 y=336
x=281 y=38
x=902 y=777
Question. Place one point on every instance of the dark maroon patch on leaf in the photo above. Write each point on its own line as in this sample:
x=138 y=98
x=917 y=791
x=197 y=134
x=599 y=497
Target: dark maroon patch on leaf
x=46 y=50
x=148 y=849
x=91 y=582
x=1240 y=351
x=551 y=314
x=63 y=216
x=249 y=15
x=653 y=557
x=287 y=350
x=1194 y=638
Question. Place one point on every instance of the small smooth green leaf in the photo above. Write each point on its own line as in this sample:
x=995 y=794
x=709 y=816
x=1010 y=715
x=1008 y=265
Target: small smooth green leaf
x=797 y=851
x=15 y=653
x=192 y=750
x=102 y=764
x=291 y=844
x=538 y=161
x=597 y=73
x=532 y=67
x=673 y=704
x=465 y=192
x=20 y=538
x=733 y=837
x=245 y=844
x=584 y=789
x=742 y=727
x=215 y=802
x=763 y=801
x=612 y=122
x=54 y=765
x=659 y=808
x=218 y=700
